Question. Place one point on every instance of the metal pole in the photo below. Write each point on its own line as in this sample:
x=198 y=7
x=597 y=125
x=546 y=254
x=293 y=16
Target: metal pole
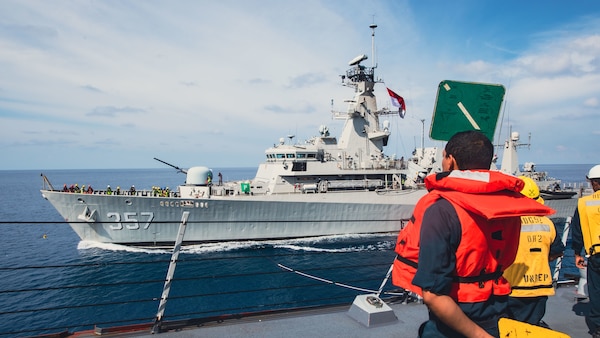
x=387 y=276
x=423 y=138
x=170 y=273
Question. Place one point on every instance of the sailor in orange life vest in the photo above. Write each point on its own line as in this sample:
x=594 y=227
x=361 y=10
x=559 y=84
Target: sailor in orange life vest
x=586 y=236
x=462 y=236
x=529 y=276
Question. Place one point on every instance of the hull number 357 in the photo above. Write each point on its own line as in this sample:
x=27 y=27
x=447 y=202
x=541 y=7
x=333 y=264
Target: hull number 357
x=130 y=220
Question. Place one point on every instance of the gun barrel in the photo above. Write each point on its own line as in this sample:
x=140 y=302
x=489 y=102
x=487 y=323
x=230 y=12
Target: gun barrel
x=171 y=165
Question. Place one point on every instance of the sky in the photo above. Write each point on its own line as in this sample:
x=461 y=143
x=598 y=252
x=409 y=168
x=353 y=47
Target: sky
x=95 y=84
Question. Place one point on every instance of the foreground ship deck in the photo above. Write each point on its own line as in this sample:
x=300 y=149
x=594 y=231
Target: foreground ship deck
x=565 y=313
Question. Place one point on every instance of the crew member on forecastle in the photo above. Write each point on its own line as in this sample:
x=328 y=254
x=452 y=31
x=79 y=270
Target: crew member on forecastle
x=586 y=236
x=529 y=276
x=463 y=234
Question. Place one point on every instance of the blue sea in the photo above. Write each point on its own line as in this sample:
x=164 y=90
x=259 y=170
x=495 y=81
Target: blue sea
x=50 y=281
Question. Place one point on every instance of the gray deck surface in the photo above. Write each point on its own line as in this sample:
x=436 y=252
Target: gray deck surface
x=563 y=314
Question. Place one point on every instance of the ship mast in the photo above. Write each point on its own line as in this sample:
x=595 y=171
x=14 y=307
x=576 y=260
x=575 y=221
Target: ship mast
x=373 y=26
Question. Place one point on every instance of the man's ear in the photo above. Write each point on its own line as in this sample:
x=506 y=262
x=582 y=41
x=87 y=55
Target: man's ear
x=453 y=165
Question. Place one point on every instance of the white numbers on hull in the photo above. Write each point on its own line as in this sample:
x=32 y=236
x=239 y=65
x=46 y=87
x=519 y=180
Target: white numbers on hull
x=130 y=219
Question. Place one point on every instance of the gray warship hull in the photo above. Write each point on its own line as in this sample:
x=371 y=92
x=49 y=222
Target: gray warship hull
x=146 y=220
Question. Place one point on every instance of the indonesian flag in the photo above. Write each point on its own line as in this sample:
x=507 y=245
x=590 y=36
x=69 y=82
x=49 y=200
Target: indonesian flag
x=397 y=101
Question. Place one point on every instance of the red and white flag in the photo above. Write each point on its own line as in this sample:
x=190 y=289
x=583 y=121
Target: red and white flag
x=397 y=101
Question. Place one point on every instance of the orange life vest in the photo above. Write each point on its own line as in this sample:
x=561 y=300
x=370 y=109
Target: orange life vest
x=489 y=207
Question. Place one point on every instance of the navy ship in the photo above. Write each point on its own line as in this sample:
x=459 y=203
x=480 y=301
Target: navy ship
x=324 y=186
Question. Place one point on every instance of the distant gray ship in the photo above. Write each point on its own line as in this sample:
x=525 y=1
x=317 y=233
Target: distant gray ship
x=325 y=186
x=550 y=187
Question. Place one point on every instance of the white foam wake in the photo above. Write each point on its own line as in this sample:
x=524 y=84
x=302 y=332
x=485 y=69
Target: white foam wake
x=309 y=244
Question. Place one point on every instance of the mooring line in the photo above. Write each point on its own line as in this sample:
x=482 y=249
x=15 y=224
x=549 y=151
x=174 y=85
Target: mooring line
x=336 y=283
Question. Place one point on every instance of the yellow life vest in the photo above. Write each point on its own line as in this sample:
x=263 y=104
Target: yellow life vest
x=589 y=217
x=529 y=275
x=512 y=328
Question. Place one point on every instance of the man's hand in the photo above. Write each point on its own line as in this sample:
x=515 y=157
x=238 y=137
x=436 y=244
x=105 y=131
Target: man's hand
x=580 y=262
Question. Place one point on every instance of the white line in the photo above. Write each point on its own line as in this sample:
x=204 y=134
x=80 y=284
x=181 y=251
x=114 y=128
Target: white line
x=469 y=117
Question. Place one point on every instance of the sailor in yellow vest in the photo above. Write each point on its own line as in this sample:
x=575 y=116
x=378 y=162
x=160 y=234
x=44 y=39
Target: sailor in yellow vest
x=529 y=276
x=586 y=235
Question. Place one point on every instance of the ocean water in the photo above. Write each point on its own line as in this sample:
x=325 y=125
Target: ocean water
x=569 y=174
x=50 y=281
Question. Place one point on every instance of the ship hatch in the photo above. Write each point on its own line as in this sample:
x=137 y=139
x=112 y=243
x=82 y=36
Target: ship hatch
x=299 y=166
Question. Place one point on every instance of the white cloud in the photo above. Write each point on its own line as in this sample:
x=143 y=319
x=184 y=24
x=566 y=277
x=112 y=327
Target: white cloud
x=194 y=79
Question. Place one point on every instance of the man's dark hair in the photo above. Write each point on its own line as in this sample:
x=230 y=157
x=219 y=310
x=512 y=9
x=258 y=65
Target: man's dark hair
x=471 y=150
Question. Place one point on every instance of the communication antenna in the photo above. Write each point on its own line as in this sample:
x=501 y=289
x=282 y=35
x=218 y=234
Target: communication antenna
x=373 y=26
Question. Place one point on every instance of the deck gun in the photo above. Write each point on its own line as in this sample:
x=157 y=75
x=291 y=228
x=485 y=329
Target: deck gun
x=179 y=170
